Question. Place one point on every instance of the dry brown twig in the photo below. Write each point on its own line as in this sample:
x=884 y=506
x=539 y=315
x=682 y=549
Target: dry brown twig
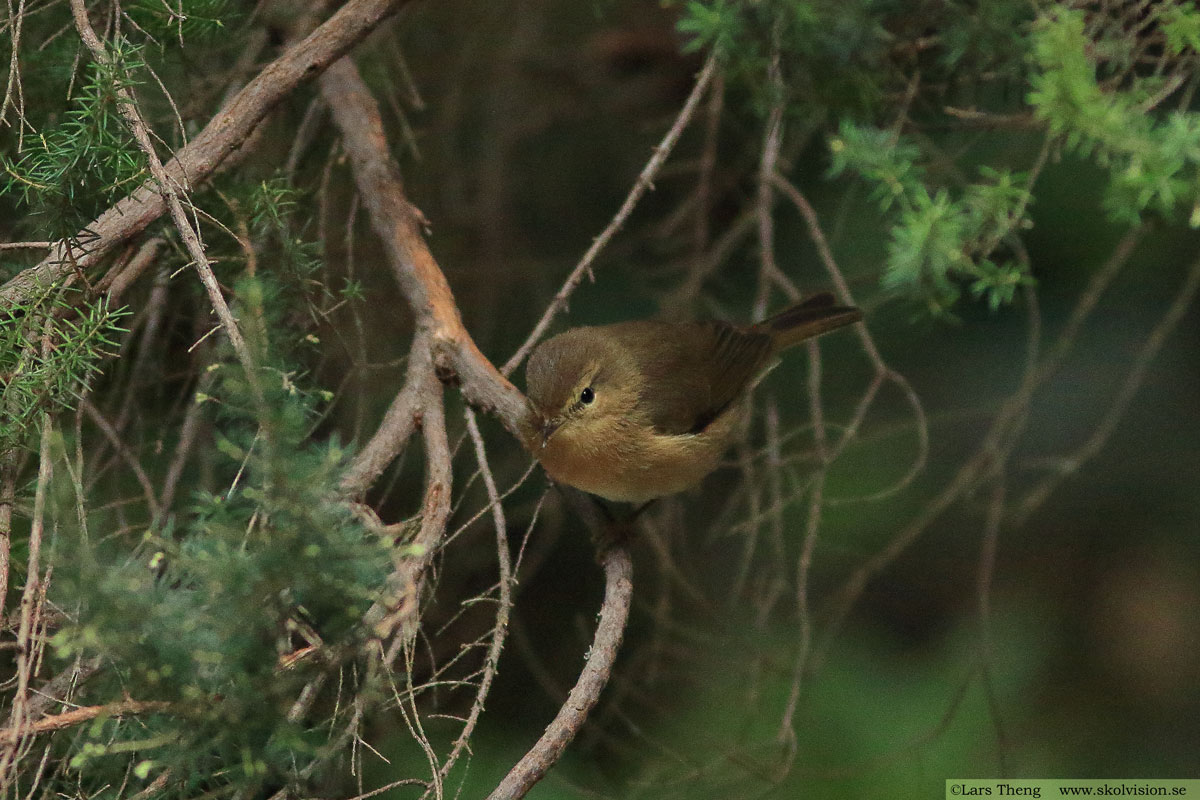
x=19 y=738
x=503 y=606
x=78 y=716
x=398 y=224
x=170 y=192
x=644 y=182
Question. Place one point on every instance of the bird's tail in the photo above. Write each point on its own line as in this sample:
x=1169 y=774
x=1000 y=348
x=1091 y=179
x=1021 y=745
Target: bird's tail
x=812 y=317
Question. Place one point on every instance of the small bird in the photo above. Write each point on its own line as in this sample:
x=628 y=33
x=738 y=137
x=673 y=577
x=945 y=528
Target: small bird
x=638 y=410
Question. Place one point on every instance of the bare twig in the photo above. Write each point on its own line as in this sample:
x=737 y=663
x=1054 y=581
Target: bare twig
x=983 y=592
x=8 y=496
x=708 y=165
x=503 y=607
x=397 y=610
x=883 y=372
x=618 y=590
x=1070 y=464
x=188 y=431
x=135 y=466
x=641 y=185
x=117 y=281
x=26 y=245
x=393 y=432
x=787 y=731
x=168 y=188
x=1001 y=437
x=768 y=269
x=13 y=84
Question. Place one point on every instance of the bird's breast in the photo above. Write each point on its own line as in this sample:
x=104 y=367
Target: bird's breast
x=634 y=465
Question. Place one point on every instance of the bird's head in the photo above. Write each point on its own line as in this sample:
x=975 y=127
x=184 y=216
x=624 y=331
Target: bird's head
x=581 y=387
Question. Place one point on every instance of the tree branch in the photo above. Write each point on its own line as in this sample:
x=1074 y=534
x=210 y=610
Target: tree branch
x=77 y=716
x=644 y=182
x=197 y=161
x=393 y=432
x=618 y=589
x=398 y=224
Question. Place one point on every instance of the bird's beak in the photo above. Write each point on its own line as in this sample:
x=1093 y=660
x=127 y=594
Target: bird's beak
x=548 y=429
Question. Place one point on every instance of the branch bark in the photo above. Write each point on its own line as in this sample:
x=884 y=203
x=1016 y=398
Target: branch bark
x=399 y=226
x=618 y=589
x=77 y=716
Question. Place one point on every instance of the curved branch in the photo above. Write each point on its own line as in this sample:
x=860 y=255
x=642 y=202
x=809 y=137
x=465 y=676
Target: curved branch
x=220 y=137
x=393 y=432
x=397 y=608
x=399 y=226
x=618 y=589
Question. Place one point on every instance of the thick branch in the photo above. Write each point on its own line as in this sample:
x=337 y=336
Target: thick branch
x=618 y=589
x=398 y=224
x=221 y=137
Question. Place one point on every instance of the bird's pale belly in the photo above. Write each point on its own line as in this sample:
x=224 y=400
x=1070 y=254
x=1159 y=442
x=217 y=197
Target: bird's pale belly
x=637 y=469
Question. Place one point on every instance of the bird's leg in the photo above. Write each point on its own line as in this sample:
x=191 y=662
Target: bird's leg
x=637 y=512
x=605 y=509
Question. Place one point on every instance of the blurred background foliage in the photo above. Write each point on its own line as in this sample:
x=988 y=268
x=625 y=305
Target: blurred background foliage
x=973 y=165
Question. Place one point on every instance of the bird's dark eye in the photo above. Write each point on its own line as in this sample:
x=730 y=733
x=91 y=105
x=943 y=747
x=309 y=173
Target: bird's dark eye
x=587 y=395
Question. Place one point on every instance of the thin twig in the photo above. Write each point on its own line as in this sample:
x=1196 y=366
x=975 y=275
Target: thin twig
x=135 y=466
x=883 y=372
x=641 y=185
x=397 y=611
x=708 y=166
x=188 y=431
x=1070 y=464
x=393 y=432
x=8 y=497
x=787 y=728
x=983 y=592
x=996 y=444
x=768 y=269
x=503 y=607
x=168 y=188
x=26 y=245
x=18 y=719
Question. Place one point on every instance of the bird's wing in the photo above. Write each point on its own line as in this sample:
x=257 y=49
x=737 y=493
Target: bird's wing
x=736 y=357
x=692 y=371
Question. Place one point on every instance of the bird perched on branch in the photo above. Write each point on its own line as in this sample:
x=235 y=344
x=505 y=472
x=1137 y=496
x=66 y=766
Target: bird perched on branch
x=638 y=410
